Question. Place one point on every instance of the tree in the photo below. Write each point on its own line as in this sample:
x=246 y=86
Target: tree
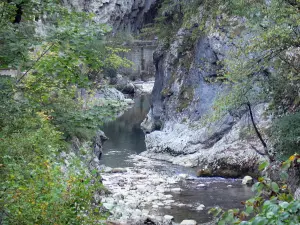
x=39 y=112
x=262 y=69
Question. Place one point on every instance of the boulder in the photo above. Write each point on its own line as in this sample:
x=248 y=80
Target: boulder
x=247 y=180
x=123 y=84
x=204 y=173
x=168 y=218
x=109 y=94
x=200 y=207
x=98 y=141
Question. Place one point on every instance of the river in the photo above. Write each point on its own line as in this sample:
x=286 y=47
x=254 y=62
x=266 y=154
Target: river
x=179 y=192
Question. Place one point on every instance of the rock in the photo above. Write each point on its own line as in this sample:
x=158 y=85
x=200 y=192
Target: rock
x=297 y=194
x=168 y=196
x=108 y=206
x=247 y=180
x=129 y=101
x=142 y=188
x=123 y=84
x=144 y=87
x=201 y=185
x=200 y=207
x=204 y=173
x=175 y=189
x=98 y=141
x=181 y=205
x=182 y=97
x=183 y=176
x=148 y=125
x=118 y=170
x=155 y=206
x=149 y=221
x=188 y=222
x=168 y=217
x=121 y=15
x=229 y=185
x=107 y=169
x=109 y=94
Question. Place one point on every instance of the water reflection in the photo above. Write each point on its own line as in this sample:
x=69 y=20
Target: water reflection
x=125 y=135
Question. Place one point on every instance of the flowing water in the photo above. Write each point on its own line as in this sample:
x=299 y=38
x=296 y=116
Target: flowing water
x=126 y=139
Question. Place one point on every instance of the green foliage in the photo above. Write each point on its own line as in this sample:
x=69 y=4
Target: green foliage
x=34 y=187
x=272 y=204
x=263 y=68
x=285 y=135
x=40 y=111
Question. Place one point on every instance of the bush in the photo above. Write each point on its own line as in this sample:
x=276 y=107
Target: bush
x=286 y=135
x=36 y=187
x=272 y=204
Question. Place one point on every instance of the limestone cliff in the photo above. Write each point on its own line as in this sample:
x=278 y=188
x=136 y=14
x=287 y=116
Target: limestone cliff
x=184 y=94
x=129 y=15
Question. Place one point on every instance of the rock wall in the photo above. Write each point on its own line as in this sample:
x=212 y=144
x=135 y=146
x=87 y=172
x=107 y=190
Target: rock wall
x=129 y=15
x=183 y=96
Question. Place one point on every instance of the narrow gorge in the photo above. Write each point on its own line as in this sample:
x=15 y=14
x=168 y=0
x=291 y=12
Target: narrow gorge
x=158 y=112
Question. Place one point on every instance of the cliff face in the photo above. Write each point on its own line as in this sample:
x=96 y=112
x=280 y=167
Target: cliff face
x=183 y=96
x=184 y=93
x=129 y=15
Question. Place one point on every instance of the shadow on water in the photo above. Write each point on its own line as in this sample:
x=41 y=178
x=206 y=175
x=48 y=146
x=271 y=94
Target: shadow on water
x=125 y=134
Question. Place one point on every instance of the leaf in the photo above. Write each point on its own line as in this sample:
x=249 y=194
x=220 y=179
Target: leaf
x=263 y=165
x=275 y=187
x=284 y=205
x=292 y=157
x=260 y=221
x=284 y=175
x=286 y=165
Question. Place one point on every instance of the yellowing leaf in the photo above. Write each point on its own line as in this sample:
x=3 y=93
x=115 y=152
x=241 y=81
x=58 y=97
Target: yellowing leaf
x=292 y=157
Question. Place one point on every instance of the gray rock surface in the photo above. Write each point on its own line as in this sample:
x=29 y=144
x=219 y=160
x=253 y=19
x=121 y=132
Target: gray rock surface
x=122 y=15
x=247 y=180
x=123 y=84
x=188 y=222
x=109 y=93
x=98 y=141
x=183 y=96
x=220 y=151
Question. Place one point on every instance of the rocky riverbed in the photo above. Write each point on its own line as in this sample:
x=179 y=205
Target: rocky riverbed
x=142 y=188
x=166 y=194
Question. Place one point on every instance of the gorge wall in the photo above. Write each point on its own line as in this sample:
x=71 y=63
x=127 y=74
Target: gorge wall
x=183 y=94
x=128 y=16
x=183 y=97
